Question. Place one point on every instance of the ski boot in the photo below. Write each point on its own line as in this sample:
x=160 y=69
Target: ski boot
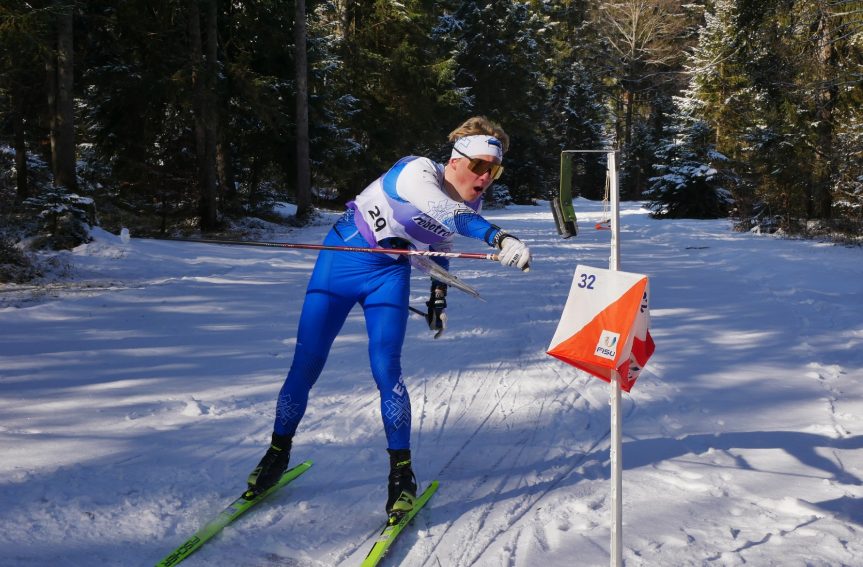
x=270 y=469
x=402 y=485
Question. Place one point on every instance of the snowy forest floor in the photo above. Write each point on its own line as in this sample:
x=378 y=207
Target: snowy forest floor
x=138 y=391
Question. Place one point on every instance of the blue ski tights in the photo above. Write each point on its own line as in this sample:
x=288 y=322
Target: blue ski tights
x=381 y=285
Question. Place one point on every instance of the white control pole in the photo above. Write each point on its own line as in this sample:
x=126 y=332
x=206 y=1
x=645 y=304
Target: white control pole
x=616 y=420
x=614 y=398
x=614 y=196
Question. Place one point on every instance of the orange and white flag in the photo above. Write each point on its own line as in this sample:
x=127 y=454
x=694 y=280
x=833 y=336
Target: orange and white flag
x=605 y=325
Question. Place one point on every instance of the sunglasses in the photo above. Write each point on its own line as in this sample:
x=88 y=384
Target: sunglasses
x=480 y=166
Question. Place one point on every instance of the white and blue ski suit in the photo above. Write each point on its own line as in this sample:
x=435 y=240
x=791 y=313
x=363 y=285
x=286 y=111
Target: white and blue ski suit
x=405 y=207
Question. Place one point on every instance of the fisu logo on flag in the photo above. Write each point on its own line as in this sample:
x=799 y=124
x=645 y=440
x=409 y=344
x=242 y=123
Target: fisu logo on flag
x=604 y=325
x=607 y=345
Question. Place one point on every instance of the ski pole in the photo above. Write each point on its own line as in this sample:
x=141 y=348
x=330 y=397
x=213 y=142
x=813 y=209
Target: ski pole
x=398 y=251
x=417 y=311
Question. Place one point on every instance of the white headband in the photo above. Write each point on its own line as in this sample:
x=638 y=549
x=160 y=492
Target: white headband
x=473 y=146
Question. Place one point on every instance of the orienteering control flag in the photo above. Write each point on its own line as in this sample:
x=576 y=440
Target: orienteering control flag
x=604 y=325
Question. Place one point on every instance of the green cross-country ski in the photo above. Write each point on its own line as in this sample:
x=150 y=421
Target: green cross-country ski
x=228 y=515
x=390 y=532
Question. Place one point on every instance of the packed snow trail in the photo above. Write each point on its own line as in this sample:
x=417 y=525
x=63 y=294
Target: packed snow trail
x=138 y=393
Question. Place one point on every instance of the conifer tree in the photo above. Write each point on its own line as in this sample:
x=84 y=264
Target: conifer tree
x=500 y=51
x=645 y=39
x=690 y=182
x=577 y=114
x=22 y=86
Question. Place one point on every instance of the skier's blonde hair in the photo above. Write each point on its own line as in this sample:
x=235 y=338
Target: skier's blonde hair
x=479 y=125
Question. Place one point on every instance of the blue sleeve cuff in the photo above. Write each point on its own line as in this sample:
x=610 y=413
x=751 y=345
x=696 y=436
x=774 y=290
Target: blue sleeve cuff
x=491 y=234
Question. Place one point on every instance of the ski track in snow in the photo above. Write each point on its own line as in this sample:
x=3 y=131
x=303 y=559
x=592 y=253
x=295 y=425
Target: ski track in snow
x=137 y=394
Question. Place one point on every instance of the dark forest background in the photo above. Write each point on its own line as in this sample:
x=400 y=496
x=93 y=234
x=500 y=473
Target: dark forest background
x=180 y=115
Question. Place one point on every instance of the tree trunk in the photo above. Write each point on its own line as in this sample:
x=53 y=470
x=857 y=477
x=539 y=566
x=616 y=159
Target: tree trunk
x=195 y=61
x=60 y=68
x=304 y=191
x=21 y=183
x=254 y=182
x=627 y=125
x=211 y=116
x=225 y=171
x=51 y=91
x=823 y=198
x=201 y=110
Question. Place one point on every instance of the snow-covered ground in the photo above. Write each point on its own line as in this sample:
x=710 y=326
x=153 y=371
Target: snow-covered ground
x=136 y=396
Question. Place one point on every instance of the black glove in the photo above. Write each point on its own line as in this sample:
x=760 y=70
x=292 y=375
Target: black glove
x=435 y=317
